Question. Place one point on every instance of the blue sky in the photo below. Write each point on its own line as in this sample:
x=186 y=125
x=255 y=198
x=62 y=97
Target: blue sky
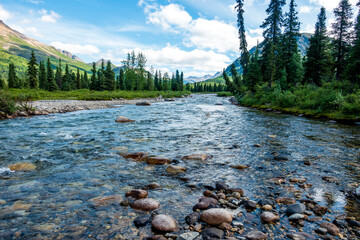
x=197 y=37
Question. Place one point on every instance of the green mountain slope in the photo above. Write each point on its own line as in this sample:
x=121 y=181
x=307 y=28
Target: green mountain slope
x=16 y=47
x=303 y=44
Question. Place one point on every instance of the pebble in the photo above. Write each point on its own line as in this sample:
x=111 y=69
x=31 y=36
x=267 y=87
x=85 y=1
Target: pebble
x=141 y=221
x=250 y=204
x=157 y=160
x=281 y=157
x=221 y=185
x=137 y=156
x=146 y=204
x=268 y=217
x=256 y=235
x=216 y=216
x=267 y=207
x=321 y=231
x=192 y=218
x=295 y=208
x=331 y=228
x=285 y=200
x=164 y=223
x=212 y=234
x=189 y=236
x=296 y=217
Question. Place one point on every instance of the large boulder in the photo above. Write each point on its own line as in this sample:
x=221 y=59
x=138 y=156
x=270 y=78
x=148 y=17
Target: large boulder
x=200 y=156
x=268 y=217
x=137 y=193
x=295 y=208
x=22 y=167
x=256 y=235
x=331 y=228
x=122 y=119
x=146 y=204
x=216 y=216
x=164 y=223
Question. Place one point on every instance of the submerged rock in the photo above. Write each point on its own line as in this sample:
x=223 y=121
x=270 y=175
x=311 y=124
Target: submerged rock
x=141 y=221
x=281 y=157
x=240 y=167
x=137 y=193
x=221 y=185
x=22 y=167
x=144 y=103
x=205 y=203
x=106 y=200
x=189 y=236
x=192 y=218
x=201 y=157
x=122 y=119
x=212 y=234
x=331 y=228
x=158 y=160
x=137 y=156
x=295 y=208
x=175 y=169
x=285 y=200
x=146 y=204
x=330 y=179
x=164 y=223
x=216 y=216
x=268 y=217
x=256 y=235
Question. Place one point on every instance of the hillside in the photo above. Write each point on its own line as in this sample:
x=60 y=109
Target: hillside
x=16 y=47
x=303 y=44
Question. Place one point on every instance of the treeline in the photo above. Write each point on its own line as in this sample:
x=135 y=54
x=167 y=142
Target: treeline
x=133 y=76
x=330 y=71
x=206 y=87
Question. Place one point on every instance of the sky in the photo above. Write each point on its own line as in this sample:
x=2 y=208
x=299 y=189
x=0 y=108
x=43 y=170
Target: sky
x=197 y=37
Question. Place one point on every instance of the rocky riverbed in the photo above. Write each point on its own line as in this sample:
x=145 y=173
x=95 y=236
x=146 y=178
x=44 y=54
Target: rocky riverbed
x=196 y=168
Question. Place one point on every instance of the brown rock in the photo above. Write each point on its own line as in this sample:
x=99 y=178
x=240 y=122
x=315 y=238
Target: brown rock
x=320 y=210
x=137 y=156
x=164 y=223
x=175 y=169
x=331 y=228
x=152 y=186
x=158 y=237
x=122 y=119
x=106 y=200
x=19 y=205
x=285 y=200
x=201 y=157
x=158 y=160
x=268 y=217
x=330 y=179
x=216 y=216
x=137 y=193
x=22 y=167
x=225 y=226
x=143 y=103
x=146 y=204
x=207 y=193
x=297 y=180
x=240 y=167
x=238 y=190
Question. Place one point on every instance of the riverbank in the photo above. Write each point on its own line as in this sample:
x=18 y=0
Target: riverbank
x=335 y=116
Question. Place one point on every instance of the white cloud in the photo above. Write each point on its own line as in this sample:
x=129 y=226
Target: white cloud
x=86 y=49
x=51 y=17
x=35 y=1
x=4 y=15
x=212 y=34
x=198 y=60
x=169 y=16
x=253 y=36
x=305 y=9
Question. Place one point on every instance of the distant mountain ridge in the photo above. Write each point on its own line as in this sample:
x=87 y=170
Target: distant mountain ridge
x=16 y=47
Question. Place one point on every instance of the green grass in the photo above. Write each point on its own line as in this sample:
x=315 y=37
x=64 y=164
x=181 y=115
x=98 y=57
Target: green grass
x=224 y=94
x=84 y=94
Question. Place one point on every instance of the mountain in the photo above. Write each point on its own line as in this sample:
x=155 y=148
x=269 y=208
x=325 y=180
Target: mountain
x=70 y=55
x=193 y=79
x=16 y=47
x=303 y=44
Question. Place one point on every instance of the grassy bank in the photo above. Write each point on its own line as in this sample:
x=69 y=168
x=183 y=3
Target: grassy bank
x=84 y=94
x=330 y=101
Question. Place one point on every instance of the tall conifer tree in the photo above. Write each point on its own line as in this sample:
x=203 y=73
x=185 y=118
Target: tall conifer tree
x=51 y=84
x=32 y=72
x=42 y=76
x=244 y=53
x=342 y=33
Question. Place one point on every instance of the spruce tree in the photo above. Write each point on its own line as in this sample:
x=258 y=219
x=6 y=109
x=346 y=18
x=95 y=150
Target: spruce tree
x=2 y=83
x=290 y=47
x=42 y=76
x=67 y=79
x=93 y=83
x=32 y=72
x=244 y=53
x=272 y=34
x=254 y=75
x=230 y=85
x=13 y=81
x=78 y=79
x=122 y=79
x=109 y=75
x=318 y=63
x=51 y=84
x=58 y=75
x=86 y=80
x=156 y=81
x=181 y=81
x=150 y=83
x=342 y=33
x=235 y=77
x=353 y=67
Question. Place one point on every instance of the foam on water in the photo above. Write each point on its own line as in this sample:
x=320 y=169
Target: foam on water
x=5 y=169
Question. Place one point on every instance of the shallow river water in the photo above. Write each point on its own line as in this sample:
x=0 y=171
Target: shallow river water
x=77 y=158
